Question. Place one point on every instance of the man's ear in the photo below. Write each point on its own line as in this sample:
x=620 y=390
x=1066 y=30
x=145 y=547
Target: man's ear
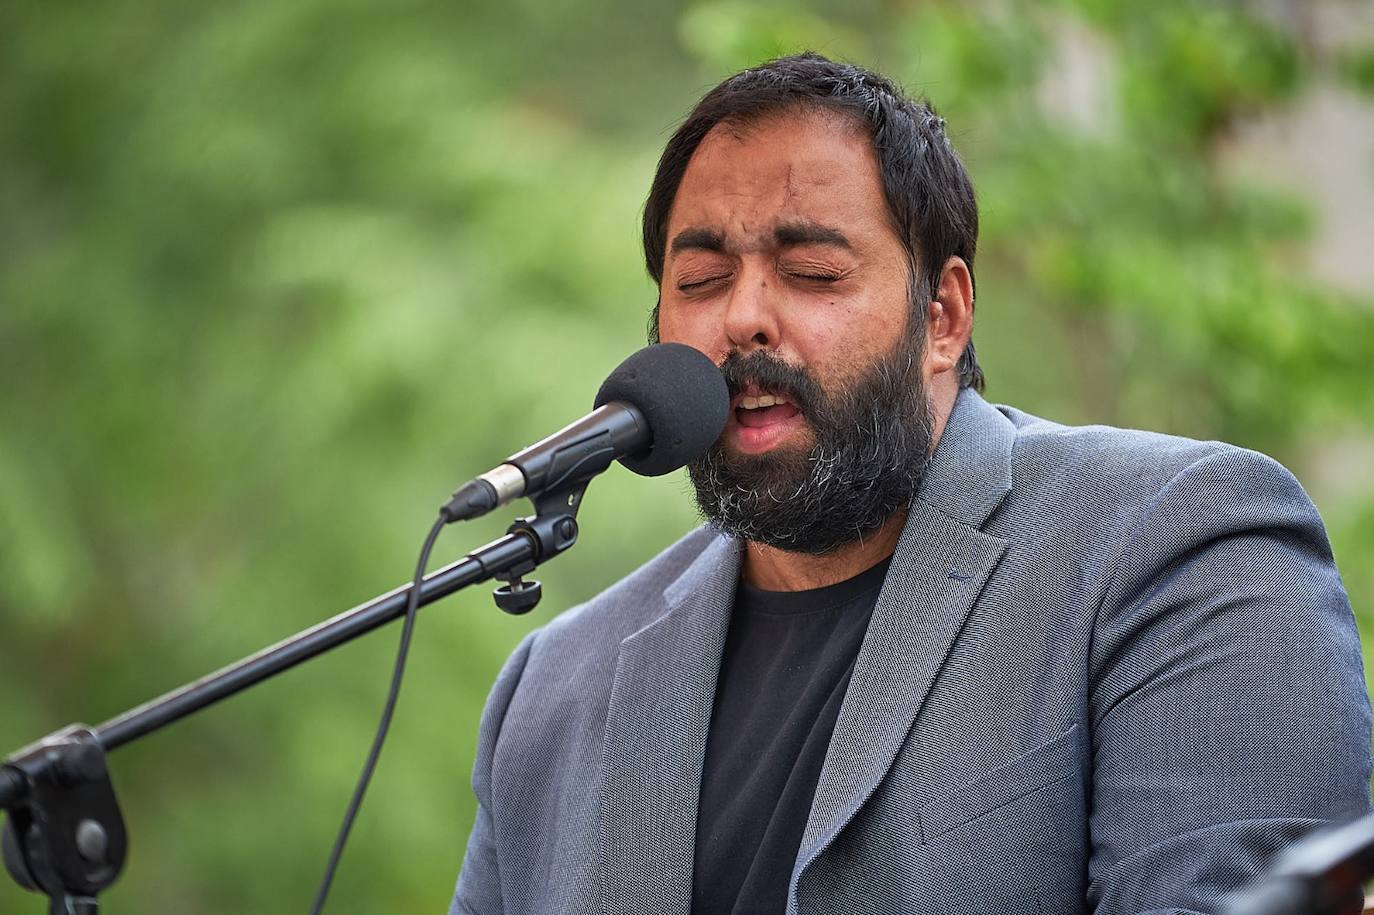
x=949 y=317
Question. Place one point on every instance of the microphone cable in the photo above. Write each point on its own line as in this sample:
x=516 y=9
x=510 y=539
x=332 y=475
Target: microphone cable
x=407 y=630
x=684 y=398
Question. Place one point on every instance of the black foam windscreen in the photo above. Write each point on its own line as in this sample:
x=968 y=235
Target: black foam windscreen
x=681 y=393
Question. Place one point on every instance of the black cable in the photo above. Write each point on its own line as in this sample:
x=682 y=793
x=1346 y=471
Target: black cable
x=366 y=776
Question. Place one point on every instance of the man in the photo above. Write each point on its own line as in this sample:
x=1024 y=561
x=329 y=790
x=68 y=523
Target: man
x=929 y=655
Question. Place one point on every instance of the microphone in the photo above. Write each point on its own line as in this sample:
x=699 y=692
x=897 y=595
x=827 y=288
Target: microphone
x=661 y=408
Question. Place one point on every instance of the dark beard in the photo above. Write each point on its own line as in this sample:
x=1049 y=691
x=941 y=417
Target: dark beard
x=872 y=445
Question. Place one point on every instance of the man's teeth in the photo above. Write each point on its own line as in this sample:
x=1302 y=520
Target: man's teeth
x=766 y=400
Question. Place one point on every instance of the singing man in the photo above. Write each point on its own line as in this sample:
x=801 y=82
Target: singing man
x=927 y=655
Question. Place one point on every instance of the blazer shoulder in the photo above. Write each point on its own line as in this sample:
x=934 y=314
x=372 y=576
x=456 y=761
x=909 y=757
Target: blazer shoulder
x=1106 y=484
x=1125 y=465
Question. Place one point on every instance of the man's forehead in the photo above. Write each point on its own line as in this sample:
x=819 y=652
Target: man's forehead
x=779 y=153
x=806 y=179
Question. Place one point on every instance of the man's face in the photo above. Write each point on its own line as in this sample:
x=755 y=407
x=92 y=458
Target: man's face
x=782 y=266
x=779 y=240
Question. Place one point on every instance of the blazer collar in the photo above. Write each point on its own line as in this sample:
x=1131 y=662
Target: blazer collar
x=940 y=566
x=970 y=472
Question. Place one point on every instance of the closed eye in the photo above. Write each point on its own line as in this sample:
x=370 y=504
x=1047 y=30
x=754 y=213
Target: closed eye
x=812 y=270
x=699 y=284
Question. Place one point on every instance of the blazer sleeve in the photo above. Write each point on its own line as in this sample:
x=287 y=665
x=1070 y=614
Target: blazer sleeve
x=1229 y=708
x=479 y=881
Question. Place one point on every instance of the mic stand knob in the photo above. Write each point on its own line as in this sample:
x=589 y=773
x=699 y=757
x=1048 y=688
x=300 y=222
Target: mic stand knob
x=516 y=596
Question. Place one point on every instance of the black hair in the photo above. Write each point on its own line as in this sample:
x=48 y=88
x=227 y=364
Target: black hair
x=929 y=195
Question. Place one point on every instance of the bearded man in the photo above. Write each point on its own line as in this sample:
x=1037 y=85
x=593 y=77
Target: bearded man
x=927 y=655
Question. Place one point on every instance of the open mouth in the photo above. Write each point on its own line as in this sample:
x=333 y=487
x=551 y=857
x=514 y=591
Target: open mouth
x=763 y=409
x=761 y=419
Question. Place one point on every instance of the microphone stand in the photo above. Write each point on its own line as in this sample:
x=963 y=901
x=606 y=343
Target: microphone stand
x=65 y=835
x=1321 y=874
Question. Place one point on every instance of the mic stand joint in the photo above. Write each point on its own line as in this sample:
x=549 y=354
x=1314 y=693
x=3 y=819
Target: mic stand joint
x=64 y=835
x=551 y=530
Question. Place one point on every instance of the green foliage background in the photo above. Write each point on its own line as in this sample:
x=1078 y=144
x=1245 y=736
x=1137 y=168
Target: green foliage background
x=275 y=276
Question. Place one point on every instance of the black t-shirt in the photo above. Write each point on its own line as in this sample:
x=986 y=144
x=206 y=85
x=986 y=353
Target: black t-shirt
x=783 y=675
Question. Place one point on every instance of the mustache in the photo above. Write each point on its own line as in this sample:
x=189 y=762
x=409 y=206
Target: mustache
x=767 y=371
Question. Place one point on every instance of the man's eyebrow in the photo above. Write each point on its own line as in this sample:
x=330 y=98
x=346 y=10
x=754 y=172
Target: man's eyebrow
x=810 y=233
x=785 y=235
x=703 y=239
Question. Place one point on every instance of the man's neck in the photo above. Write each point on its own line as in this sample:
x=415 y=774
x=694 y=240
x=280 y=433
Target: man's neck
x=773 y=569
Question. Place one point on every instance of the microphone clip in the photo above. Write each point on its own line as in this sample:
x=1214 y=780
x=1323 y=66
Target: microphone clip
x=551 y=530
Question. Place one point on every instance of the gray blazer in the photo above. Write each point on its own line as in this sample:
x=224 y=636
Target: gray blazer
x=1109 y=671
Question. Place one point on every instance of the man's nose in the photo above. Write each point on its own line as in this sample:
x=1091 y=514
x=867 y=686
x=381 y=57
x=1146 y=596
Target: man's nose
x=752 y=312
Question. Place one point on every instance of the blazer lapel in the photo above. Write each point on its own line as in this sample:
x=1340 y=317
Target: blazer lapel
x=941 y=564
x=660 y=709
